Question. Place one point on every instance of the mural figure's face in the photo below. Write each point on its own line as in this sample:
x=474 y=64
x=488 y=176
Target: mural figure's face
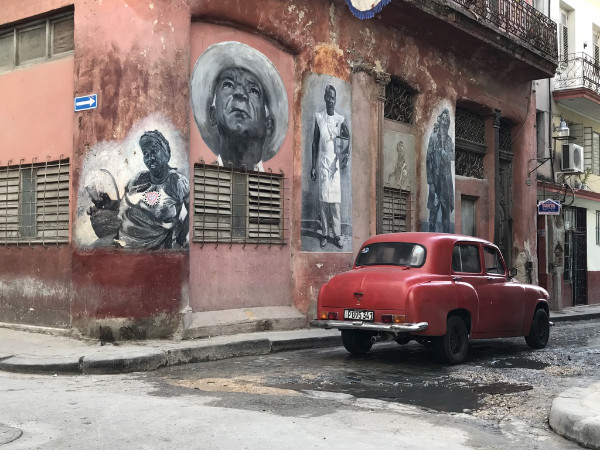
x=155 y=158
x=445 y=122
x=239 y=107
x=330 y=101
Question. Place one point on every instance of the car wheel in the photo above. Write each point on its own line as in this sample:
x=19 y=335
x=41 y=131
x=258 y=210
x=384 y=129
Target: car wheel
x=454 y=345
x=540 y=330
x=356 y=342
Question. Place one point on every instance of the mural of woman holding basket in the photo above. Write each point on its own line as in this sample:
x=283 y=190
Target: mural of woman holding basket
x=150 y=215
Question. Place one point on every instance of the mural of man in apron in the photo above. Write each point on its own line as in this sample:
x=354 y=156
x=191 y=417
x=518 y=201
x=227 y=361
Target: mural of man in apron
x=329 y=155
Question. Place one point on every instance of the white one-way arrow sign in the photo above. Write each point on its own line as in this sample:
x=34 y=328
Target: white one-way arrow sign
x=86 y=102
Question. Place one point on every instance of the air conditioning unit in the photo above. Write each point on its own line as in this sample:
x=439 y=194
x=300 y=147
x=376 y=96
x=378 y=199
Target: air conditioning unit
x=572 y=158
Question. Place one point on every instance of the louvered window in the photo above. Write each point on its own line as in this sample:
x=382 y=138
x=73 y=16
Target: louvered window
x=396 y=207
x=34 y=203
x=597 y=50
x=237 y=206
x=36 y=40
x=563 y=37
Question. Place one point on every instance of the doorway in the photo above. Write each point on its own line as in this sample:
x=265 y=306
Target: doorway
x=576 y=253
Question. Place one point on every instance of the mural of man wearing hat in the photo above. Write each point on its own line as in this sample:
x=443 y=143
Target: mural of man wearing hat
x=150 y=214
x=240 y=104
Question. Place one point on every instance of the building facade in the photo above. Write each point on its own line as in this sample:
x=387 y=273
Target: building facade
x=568 y=164
x=191 y=168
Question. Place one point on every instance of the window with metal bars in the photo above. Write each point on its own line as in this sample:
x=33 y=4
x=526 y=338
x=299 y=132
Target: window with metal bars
x=470 y=143
x=36 y=40
x=399 y=102
x=396 y=208
x=236 y=206
x=34 y=203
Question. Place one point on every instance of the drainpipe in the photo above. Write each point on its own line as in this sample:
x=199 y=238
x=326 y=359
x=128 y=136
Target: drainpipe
x=497 y=115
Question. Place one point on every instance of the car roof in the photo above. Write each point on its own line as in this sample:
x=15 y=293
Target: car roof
x=425 y=238
x=440 y=244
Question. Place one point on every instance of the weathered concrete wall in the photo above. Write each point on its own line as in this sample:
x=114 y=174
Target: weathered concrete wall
x=139 y=56
x=36 y=113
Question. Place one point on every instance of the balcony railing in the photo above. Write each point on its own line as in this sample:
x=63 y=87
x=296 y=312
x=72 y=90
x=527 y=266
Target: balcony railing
x=518 y=19
x=578 y=70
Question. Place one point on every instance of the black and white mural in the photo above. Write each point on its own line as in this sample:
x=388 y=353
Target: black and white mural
x=135 y=193
x=440 y=173
x=326 y=165
x=240 y=104
x=398 y=160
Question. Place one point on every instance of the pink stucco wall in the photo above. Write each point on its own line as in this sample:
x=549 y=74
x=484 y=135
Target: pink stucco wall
x=36 y=112
x=227 y=276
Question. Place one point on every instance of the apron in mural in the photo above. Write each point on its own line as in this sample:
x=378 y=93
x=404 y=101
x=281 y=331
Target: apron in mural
x=150 y=212
x=330 y=188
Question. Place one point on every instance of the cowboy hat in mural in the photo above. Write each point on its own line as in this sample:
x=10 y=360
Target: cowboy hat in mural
x=240 y=104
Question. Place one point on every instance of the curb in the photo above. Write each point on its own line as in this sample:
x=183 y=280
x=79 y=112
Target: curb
x=575 y=414
x=138 y=360
x=557 y=317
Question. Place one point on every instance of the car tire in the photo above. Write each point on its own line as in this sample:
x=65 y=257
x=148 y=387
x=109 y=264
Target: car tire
x=454 y=345
x=540 y=330
x=356 y=342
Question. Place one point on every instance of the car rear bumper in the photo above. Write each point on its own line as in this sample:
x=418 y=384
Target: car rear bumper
x=370 y=326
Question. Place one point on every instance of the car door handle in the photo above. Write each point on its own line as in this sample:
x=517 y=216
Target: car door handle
x=490 y=278
x=456 y=278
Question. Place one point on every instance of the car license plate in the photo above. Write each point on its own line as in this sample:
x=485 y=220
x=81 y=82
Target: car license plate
x=358 y=314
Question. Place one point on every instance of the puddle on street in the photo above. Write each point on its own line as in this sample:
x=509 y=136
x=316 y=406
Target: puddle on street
x=519 y=363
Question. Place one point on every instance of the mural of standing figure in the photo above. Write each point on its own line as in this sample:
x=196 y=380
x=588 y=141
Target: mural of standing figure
x=440 y=154
x=240 y=104
x=330 y=151
x=150 y=214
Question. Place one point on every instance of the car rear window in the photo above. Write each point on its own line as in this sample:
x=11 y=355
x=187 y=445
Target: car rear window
x=391 y=254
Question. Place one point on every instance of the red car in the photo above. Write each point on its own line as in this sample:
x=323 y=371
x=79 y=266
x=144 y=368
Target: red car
x=434 y=288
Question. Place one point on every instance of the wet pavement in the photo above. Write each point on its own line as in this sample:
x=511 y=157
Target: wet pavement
x=498 y=375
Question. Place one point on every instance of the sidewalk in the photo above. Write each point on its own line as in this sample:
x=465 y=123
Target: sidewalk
x=575 y=413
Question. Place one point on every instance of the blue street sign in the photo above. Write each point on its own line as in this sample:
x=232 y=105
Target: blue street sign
x=86 y=102
x=549 y=207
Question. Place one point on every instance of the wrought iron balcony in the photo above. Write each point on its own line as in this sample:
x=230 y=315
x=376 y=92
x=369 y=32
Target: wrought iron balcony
x=577 y=84
x=509 y=37
x=519 y=19
x=578 y=70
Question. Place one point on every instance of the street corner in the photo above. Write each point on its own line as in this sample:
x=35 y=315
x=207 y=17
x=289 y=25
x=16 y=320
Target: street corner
x=575 y=414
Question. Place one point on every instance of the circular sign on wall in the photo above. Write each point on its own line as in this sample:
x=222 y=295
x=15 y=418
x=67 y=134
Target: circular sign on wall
x=366 y=9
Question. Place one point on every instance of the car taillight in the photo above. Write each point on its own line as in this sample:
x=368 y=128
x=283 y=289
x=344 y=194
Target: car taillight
x=393 y=318
x=329 y=315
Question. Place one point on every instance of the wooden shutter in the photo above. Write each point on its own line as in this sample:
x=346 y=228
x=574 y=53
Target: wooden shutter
x=212 y=204
x=265 y=206
x=9 y=204
x=52 y=202
x=395 y=210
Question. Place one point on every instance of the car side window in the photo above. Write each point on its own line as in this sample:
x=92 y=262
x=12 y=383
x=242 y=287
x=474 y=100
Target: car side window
x=465 y=258
x=493 y=261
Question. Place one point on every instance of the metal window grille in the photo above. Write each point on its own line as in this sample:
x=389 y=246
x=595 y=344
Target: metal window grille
x=470 y=143
x=396 y=210
x=238 y=206
x=34 y=203
x=36 y=40
x=399 y=102
x=597 y=227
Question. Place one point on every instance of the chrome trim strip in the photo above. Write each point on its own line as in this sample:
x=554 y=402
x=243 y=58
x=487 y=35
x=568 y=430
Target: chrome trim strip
x=369 y=326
